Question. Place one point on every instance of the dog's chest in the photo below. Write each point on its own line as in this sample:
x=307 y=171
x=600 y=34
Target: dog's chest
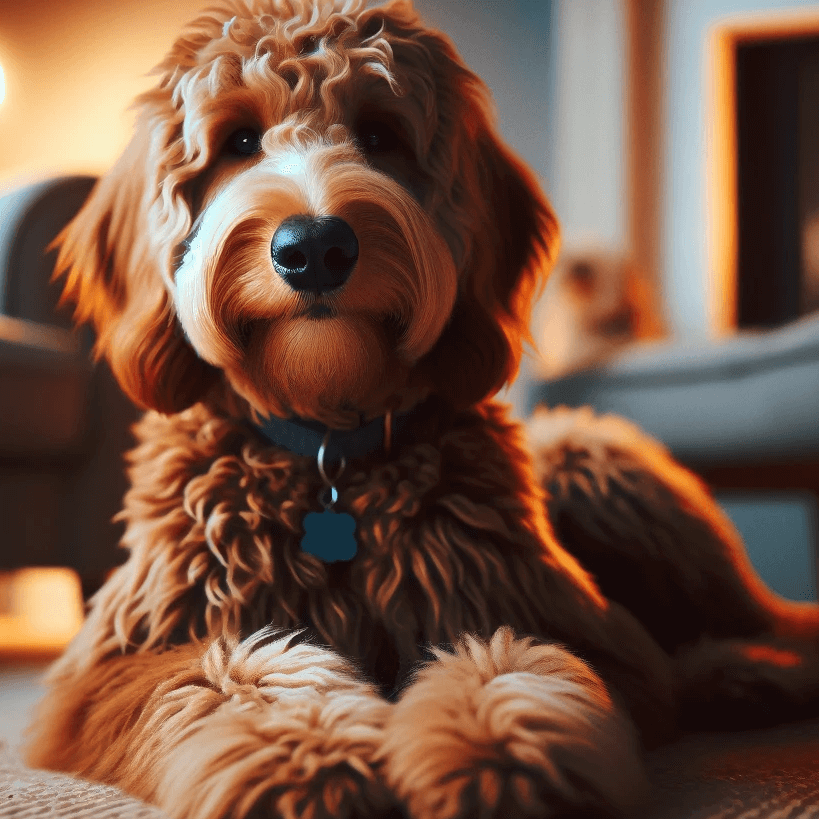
x=441 y=535
x=419 y=575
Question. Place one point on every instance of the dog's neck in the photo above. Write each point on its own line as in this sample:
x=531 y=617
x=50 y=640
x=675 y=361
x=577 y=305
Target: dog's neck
x=303 y=436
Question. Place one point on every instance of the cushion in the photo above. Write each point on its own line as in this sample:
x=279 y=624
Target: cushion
x=748 y=398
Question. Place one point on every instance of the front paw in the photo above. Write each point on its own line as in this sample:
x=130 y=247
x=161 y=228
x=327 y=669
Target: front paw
x=342 y=791
x=276 y=730
x=310 y=757
x=510 y=729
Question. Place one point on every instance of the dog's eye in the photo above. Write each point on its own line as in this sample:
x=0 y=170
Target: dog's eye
x=376 y=136
x=244 y=142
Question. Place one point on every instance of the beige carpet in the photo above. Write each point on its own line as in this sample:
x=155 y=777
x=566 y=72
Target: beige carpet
x=28 y=794
x=770 y=774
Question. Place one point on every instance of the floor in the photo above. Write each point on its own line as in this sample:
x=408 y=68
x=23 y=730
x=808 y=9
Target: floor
x=40 y=611
x=20 y=689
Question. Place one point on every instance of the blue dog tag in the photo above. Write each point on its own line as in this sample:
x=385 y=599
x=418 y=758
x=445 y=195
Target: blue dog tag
x=329 y=536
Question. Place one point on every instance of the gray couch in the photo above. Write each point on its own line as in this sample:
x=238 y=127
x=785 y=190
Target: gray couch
x=748 y=399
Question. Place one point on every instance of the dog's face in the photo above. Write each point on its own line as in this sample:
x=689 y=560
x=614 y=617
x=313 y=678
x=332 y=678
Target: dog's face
x=316 y=207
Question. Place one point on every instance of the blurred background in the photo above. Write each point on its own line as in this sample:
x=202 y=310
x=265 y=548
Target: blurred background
x=679 y=143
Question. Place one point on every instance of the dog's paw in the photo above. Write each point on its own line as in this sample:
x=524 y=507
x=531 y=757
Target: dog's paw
x=511 y=729
x=282 y=730
x=339 y=792
x=730 y=684
x=310 y=757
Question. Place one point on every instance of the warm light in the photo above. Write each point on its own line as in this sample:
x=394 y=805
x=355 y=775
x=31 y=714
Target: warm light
x=40 y=609
x=768 y=655
x=2 y=85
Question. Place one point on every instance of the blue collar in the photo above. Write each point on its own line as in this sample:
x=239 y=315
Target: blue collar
x=303 y=436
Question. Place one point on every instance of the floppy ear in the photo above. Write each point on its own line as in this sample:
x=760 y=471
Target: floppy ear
x=113 y=277
x=510 y=238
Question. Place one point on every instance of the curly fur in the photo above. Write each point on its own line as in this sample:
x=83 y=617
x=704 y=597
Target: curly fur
x=473 y=207
x=465 y=662
x=510 y=727
x=656 y=542
x=287 y=726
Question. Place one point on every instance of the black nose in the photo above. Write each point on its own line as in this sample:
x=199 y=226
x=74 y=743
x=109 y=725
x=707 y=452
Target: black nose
x=315 y=254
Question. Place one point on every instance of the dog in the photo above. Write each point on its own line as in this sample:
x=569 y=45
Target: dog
x=313 y=267
x=596 y=304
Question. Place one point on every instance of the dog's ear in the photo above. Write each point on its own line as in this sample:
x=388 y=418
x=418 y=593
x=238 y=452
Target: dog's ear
x=509 y=237
x=112 y=277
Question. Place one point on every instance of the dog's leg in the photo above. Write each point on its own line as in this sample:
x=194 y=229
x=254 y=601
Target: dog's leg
x=656 y=541
x=269 y=727
x=510 y=728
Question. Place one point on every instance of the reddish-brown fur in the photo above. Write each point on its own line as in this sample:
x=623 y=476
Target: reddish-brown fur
x=224 y=672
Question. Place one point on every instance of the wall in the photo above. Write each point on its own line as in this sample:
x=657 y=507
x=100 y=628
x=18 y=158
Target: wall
x=72 y=69
x=587 y=156
x=509 y=45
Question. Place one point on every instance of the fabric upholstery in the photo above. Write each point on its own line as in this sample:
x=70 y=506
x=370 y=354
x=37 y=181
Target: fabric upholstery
x=751 y=397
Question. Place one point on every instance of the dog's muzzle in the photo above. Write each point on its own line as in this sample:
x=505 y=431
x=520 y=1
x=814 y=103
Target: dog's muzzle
x=315 y=254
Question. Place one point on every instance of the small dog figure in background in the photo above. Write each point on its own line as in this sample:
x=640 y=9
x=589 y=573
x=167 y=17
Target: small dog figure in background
x=314 y=266
x=595 y=304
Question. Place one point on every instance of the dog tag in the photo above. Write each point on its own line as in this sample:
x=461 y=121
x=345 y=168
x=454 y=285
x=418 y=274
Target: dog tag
x=329 y=536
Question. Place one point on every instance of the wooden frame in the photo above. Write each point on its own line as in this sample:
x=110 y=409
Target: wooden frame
x=721 y=144
x=645 y=23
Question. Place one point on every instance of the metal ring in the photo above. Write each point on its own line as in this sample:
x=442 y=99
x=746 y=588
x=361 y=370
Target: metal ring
x=328 y=503
x=320 y=458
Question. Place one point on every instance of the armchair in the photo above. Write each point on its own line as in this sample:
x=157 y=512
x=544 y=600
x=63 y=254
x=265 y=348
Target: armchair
x=63 y=422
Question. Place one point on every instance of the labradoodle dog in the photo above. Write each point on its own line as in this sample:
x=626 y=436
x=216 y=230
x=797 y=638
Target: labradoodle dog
x=344 y=597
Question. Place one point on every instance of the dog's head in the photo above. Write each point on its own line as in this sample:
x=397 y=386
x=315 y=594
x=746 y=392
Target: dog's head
x=316 y=205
